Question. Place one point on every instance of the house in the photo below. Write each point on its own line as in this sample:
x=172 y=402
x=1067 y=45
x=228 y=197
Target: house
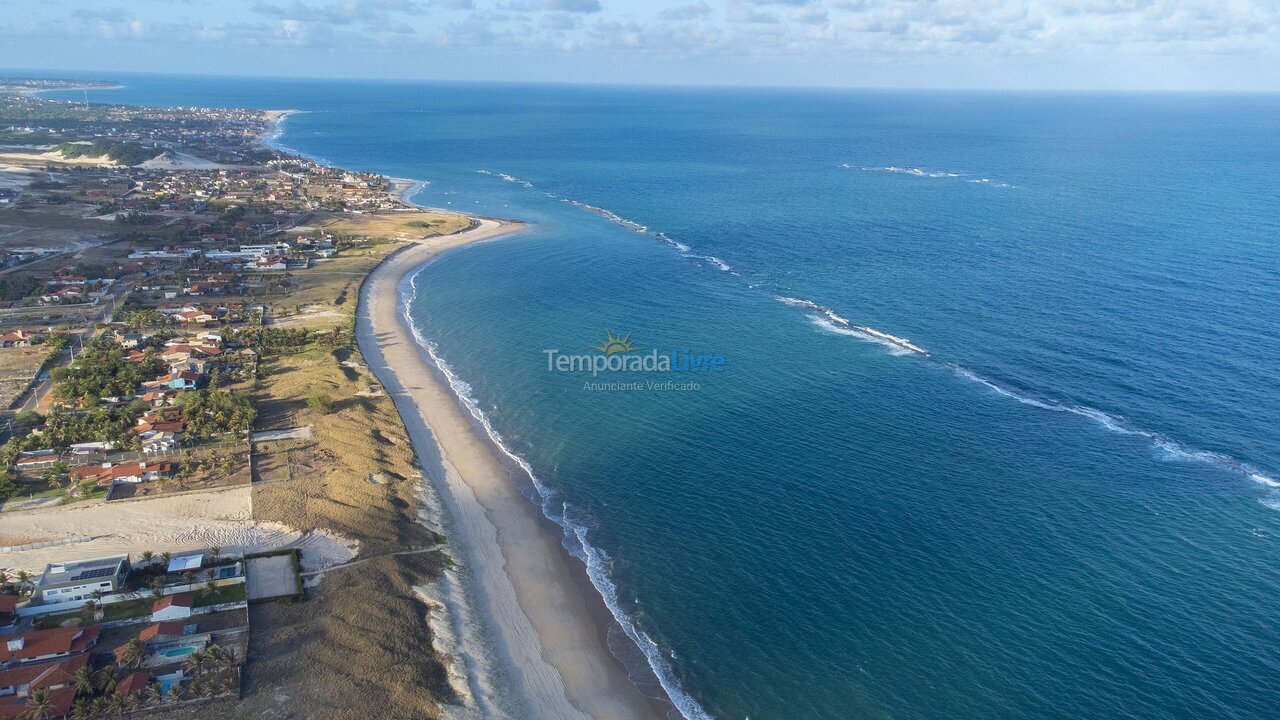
x=160 y=398
x=269 y=263
x=56 y=679
x=109 y=474
x=20 y=338
x=163 y=633
x=37 y=458
x=129 y=341
x=43 y=645
x=194 y=316
x=173 y=607
x=134 y=682
x=78 y=580
x=157 y=441
x=89 y=448
x=20 y=681
x=181 y=380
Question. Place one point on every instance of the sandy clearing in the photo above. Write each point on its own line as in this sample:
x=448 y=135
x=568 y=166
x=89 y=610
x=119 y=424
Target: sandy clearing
x=168 y=523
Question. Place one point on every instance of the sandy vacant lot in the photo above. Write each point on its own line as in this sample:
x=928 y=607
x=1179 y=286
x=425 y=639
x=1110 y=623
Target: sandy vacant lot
x=172 y=523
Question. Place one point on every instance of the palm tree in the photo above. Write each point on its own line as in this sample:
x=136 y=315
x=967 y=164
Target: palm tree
x=165 y=557
x=132 y=653
x=146 y=557
x=152 y=694
x=133 y=701
x=115 y=704
x=82 y=710
x=106 y=679
x=89 y=612
x=39 y=706
x=197 y=662
x=24 y=579
x=83 y=681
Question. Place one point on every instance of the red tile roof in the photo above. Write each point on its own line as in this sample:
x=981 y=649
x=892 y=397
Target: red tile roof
x=132 y=683
x=55 y=641
x=177 y=600
x=170 y=629
x=59 y=700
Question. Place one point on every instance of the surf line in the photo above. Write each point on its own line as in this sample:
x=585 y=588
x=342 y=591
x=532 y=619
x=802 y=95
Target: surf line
x=1172 y=448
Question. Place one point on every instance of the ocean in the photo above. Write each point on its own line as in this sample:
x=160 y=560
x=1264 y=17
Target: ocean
x=973 y=408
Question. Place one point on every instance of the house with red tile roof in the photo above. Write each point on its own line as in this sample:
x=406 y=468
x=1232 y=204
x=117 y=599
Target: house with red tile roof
x=173 y=607
x=42 y=645
x=133 y=682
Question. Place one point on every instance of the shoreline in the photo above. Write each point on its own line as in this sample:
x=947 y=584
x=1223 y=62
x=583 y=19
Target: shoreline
x=549 y=622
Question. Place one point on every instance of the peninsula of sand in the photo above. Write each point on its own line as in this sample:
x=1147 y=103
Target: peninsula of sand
x=540 y=614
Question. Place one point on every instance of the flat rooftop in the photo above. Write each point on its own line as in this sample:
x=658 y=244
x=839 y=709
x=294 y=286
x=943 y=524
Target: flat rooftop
x=81 y=570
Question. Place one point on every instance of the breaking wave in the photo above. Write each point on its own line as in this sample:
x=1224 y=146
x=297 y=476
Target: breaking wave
x=508 y=178
x=640 y=229
x=826 y=318
x=923 y=173
x=1171 y=448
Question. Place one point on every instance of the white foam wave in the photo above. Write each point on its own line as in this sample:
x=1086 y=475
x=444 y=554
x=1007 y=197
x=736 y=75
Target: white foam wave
x=508 y=178
x=830 y=326
x=609 y=215
x=918 y=172
x=710 y=259
x=923 y=173
x=1170 y=448
x=595 y=559
x=673 y=243
x=828 y=319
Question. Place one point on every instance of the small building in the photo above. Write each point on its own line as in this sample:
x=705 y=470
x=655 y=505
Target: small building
x=173 y=607
x=61 y=582
x=135 y=682
x=37 y=458
x=164 y=633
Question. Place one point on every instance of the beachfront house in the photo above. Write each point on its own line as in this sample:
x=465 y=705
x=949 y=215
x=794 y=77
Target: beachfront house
x=56 y=679
x=78 y=580
x=173 y=607
x=43 y=645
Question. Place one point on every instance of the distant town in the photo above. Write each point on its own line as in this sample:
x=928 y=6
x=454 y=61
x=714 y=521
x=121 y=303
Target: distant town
x=177 y=369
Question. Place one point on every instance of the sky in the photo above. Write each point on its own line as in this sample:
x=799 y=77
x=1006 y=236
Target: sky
x=961 y=44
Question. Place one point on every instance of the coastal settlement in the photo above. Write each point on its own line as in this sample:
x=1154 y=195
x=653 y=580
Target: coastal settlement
x=205 y=492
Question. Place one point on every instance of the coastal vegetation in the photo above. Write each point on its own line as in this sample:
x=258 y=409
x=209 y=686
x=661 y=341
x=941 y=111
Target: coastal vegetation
x=125 y=153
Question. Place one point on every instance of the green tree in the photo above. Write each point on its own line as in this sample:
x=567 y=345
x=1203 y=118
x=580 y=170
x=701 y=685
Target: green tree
x=39 y=706
x=132 y=654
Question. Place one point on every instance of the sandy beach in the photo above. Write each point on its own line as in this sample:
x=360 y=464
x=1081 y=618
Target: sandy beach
x=543 y=619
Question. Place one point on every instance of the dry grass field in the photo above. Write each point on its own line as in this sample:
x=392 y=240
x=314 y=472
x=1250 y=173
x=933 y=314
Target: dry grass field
x=366 y=616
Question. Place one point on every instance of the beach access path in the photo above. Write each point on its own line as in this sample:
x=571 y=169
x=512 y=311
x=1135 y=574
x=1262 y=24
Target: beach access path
x=543 y=621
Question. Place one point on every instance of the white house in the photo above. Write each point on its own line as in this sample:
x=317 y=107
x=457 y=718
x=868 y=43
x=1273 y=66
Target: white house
x=172 y=607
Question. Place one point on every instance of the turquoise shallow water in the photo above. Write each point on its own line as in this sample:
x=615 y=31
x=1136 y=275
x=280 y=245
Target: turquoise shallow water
x=1066 y=508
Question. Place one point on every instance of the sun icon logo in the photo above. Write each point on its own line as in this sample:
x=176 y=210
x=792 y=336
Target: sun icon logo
x=615 y=344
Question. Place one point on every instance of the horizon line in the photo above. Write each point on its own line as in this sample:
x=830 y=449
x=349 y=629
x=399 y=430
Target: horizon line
x=98 y=75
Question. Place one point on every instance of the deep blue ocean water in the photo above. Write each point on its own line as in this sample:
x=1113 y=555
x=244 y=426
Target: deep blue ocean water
x=1068 y=508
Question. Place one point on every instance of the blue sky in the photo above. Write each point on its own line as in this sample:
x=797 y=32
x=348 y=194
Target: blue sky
x=1003 y=44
